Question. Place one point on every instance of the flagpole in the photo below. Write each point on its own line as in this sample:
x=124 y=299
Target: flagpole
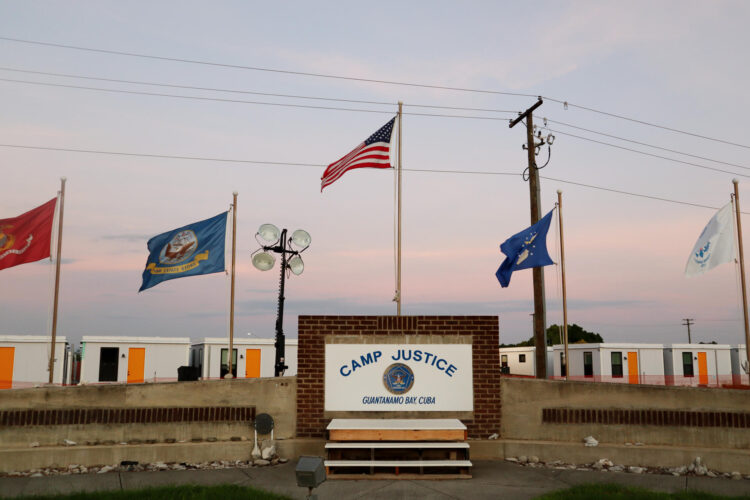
x=742 y=266
x=398 y=258
x=564 y=294
x=57 y=282
x=231 y=300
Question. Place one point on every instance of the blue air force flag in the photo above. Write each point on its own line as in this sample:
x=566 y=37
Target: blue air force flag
x=191 y=250
x=525 y=249
x=715 y=245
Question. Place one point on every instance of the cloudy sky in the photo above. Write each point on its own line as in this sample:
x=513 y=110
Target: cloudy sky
x=677 y=64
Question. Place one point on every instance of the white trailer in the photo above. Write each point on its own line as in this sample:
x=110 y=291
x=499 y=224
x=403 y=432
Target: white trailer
x=521 y=361
x=610 y=362
x=24 y=361
x=132 y=359
x=698 y=364
x=739 y=365
x=251 y=358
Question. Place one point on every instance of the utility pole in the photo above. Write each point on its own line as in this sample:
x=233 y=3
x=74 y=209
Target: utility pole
x=687 y=322
x=540 y=316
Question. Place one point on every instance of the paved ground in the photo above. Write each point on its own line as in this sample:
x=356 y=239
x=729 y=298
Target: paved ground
x=492 y=479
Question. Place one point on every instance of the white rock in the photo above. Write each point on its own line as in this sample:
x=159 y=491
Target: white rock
x=68 y=442
x=639 y=444
x=617 y=468
x=533 y=459
x=268 y=453
x=628 y=444
x=261 y=462
x=283 y=460
x=682 y=470
x=37 y=474
x=711 y=473
x=697 y=461
x=256 y=452
x=494 y=436
x=105 y=469
x=35 y=444
x=636 y=470
x=523 y=459
x=736 y=475
x=700 y=471
x=511 y=459
x=590 y=441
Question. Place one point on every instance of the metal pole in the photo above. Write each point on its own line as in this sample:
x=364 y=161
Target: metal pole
x=280 y=367
x=231 y=300
x=742 y=266
x=398 y=258
x=564 y=294
x=57 y=281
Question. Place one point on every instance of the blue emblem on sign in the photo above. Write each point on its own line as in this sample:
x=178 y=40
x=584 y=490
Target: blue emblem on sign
x=398 y=378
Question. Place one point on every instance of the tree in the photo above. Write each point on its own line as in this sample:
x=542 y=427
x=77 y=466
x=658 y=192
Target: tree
x=576 y=335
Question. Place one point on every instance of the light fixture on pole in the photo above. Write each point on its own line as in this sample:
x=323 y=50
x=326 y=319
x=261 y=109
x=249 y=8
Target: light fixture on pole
x=276 y=241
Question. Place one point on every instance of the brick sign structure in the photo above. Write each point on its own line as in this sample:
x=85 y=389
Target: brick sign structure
x=481 y=332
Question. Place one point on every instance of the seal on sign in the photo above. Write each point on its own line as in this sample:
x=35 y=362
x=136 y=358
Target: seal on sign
x=181 y=247
x=398 y=378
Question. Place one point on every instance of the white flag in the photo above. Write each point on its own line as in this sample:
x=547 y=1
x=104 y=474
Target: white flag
x=715 y=245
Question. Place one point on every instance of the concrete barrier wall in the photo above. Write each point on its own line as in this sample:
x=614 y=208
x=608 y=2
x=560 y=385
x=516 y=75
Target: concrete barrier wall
x=547 y=410
x=275 y=396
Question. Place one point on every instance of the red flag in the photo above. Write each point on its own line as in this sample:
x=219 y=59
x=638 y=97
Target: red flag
x=26 y=238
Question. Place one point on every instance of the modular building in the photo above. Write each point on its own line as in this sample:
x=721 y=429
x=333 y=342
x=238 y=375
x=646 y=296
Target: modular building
x=251 y=357
x=24 y=361
x=132 y=359
x=698 y=364
x=521 y=361
x=610 y=362
x=740 y=365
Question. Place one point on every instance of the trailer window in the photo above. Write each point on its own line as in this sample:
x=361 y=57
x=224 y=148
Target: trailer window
x=687 y=364
x=588 y=364
x=616 y=364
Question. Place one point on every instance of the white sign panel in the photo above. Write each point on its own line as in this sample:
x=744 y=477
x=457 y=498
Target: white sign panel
x=398 y=377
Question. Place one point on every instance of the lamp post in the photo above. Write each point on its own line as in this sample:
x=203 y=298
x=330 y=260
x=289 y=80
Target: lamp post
x=277 y=242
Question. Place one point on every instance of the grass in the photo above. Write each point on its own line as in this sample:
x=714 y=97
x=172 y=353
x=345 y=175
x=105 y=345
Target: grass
x=187 y=492
x=618 y=492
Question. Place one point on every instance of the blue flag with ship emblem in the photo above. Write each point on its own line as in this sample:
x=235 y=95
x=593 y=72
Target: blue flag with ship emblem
x=525 y=249
x=191 y=250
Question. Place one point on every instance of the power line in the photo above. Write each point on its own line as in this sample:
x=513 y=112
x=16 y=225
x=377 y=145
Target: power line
x=646 y=144
x=698 y=165
x=332 y=108
x=628 y=193
x=320 y=165
x=642 y=122
x=258 y=68
x=358 y=101
x=240 y=101
x=250 y=92
x=370 y=80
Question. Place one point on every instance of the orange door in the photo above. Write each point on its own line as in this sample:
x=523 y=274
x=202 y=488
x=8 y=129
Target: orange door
x=702 y=369
x=6 y=367
x=136 y=361
x=252 y=363
x=632 y=367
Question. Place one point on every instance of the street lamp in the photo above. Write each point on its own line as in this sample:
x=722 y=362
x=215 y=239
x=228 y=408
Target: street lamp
x=276 y=241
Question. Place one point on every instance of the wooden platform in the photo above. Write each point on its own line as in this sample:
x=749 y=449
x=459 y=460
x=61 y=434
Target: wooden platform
x=397 y=448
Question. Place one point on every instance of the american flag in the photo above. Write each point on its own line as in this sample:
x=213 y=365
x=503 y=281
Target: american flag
x=374 y=153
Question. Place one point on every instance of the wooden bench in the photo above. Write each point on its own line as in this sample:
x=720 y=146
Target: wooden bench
x=397 y=448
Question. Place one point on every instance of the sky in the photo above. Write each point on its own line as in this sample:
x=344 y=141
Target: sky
x=677 y=64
